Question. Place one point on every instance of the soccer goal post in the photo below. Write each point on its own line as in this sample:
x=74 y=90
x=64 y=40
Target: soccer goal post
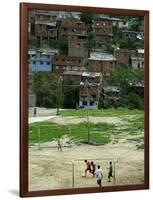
x=78 y=172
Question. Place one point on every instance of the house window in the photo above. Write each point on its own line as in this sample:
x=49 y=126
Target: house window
x=93 y=96
x=48 y=63
x=91 y=103
x=78 y=45
x=34 y=62
x=138 y=65
x=41 y=62
x=63 y=59
x=84 y=103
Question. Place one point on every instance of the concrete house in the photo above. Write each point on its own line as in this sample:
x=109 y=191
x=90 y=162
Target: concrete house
x=124 y=25
x=90 y=88
x=137 y=59
x=40 y=59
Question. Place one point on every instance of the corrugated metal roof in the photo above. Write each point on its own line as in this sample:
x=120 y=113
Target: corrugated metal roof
x=75 y=73
x=91 y=74
x=101 y=56
x=141 y=51
x=111 y=89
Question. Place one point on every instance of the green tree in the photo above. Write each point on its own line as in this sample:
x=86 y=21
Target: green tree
x=127 y=79
x=63 y=46
x=53 y=43
x=71 y=94
x=33 y=42
x=86 y=18
x=44 y=85
x=58 y=25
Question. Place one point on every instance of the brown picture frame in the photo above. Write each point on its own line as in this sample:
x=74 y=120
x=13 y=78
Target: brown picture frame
x=24 y=8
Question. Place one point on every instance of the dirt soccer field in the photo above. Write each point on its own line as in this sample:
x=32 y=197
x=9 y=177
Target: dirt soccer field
x=52 y=169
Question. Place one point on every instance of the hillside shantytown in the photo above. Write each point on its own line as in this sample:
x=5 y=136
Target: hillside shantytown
x=79 y=60
x=86 y=99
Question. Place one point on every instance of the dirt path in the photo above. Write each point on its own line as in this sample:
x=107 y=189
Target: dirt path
x=77 y=120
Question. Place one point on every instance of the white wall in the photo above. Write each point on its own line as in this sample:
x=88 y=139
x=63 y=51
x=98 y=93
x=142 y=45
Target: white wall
x=9 y=98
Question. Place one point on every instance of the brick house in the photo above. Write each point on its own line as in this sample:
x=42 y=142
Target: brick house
x=74 y=76
x=72 y=26
x=123 y=56
x=101 y=62
x=45 y=30
x=45 y=26
x=77 y=45
x=67 y=63
x=133 y=58
x=103 y=30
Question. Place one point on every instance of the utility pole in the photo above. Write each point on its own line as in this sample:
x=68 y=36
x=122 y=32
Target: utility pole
x=87 y=87
x=60 y=94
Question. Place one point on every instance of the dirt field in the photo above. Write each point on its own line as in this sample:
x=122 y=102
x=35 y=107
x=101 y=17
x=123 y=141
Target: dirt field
x=77 y=120
x=50 y=169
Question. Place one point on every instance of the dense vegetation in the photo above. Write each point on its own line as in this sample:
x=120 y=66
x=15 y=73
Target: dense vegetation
x=130 y=82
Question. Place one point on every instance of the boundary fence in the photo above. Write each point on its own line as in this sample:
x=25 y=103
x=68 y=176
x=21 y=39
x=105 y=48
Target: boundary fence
x=38 y=129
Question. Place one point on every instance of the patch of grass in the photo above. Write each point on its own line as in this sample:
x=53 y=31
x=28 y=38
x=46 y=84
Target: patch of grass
x=132 y=133
x=99 y=133
x=111 y=112
x=140 y=146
